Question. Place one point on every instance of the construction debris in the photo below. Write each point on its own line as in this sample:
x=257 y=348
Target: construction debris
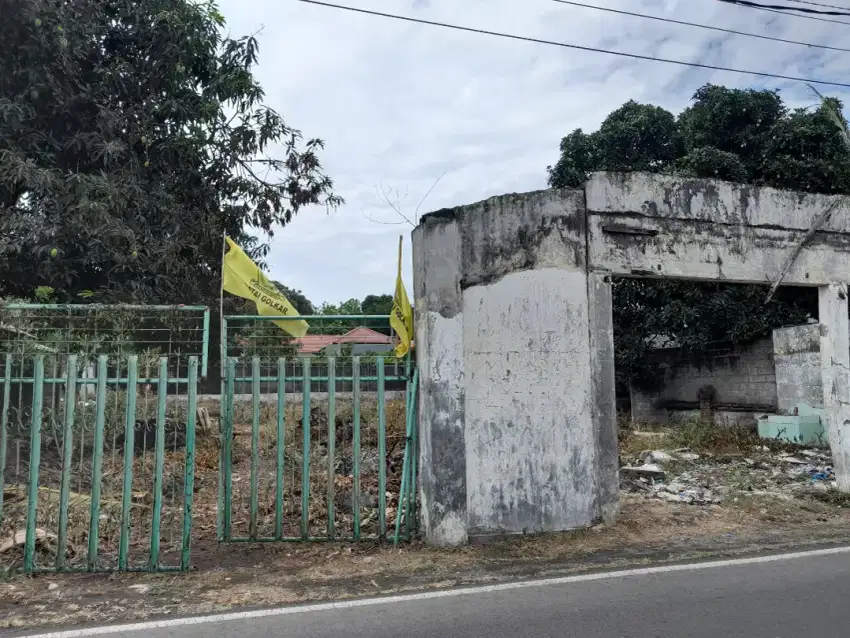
x=683 y=476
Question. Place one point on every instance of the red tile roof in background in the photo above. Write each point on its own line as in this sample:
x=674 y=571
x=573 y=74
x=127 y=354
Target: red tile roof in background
x=311 y=344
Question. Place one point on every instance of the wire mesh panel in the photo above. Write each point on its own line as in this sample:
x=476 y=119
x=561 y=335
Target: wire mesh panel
x=315 y=430
x=90 y=330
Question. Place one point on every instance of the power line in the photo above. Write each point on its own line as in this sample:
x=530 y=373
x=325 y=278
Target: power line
x=785 y=12
x=701 y=26
x=818 y=4
x=578 y=47
x=785 y=7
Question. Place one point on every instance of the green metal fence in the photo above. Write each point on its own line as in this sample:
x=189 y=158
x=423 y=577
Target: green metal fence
x=97 y=434
x=318 y=433
x=96 y=484
x=109 y=459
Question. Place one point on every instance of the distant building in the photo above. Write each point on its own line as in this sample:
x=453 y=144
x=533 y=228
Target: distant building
x=362 y=341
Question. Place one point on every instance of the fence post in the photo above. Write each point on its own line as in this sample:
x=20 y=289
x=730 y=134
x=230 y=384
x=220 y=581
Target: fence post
x=227 y=446
x=255 y=447
x=189 y=473
x=331 y=442
x=355 y=446
x=67 y=452
x=129 y=447
x=281 y=447
x=305 y=463
x=4 y=425
x=382 y=452
x=97 y=462
x=35 y=460
x=159 y=462
x=414 y=450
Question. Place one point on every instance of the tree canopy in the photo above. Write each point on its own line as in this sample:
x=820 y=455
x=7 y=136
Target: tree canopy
x=732 y=134
x=132 y=136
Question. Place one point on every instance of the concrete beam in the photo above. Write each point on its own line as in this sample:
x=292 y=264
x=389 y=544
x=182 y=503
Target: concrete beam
x=662 y=226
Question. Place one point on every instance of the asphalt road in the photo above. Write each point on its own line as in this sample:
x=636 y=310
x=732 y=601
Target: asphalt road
x=796 y=598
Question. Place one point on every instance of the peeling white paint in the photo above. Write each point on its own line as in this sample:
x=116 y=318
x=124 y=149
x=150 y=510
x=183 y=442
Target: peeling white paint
x=529 y=427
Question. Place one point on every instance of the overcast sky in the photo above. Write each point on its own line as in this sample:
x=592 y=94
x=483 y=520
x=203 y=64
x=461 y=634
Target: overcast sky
x=400 y=104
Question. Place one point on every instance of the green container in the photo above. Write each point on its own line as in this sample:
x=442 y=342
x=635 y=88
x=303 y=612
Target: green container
x=803 y=429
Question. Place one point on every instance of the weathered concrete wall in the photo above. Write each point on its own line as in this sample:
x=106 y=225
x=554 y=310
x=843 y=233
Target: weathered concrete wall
x=663 y=226
x=439 y=353
x=796 y=355
x=514 y=341
x=743 y=378
x=526 y=435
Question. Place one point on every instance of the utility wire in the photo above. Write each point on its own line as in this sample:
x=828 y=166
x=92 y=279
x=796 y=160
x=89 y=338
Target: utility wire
x=785 y=13
x=785 y=7
x=701 y=26
x=819 y=4
x=578 y=47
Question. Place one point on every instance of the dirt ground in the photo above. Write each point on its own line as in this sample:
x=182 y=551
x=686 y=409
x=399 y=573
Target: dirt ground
x=759 y=501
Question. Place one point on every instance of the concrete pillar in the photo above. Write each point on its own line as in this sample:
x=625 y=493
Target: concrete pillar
x=835 y=371
x=439 y=353
x=604 y=399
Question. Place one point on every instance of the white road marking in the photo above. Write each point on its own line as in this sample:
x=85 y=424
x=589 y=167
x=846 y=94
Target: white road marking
x=428 y=595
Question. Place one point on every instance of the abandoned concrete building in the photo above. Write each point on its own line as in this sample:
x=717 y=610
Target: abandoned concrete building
x=517 y=415
x=734 y=384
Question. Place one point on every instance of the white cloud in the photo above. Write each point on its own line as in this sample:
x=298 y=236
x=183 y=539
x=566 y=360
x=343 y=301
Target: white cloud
x=398 y=104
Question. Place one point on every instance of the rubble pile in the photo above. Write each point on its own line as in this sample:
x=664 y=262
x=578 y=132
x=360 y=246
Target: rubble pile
x=683 y=476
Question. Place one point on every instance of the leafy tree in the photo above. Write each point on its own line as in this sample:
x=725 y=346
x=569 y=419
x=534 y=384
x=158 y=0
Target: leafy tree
x=132 y=135
x=303 y=305
x=377 y=304
x=732 y=134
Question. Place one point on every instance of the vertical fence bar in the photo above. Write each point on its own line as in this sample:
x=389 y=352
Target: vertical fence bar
x=382 y=451
x=414 y=451
x=305 y=464
x=129 y=447
x=355 y=446
x=35 y=461
x=403 y=491
x=67 y=456
x=281 y=447
x=4 y=425
x=331 y=442
x=255 y=447
x=189 y=472
x=97 y=462
x=222 y=408
x=205 y=347
x=227 y=446
x=159 y=462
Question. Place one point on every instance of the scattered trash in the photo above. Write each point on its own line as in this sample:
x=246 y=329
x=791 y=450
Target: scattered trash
x=140 y=589
x=52 y=586
x=43 y=540
x=659 y=456
x=714 y=478
x=649 y=470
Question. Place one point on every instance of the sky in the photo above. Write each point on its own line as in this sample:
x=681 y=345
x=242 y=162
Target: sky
x=405 y=109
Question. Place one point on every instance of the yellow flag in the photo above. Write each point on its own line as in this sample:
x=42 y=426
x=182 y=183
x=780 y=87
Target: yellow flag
x=243 y=278
x=401 y=318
